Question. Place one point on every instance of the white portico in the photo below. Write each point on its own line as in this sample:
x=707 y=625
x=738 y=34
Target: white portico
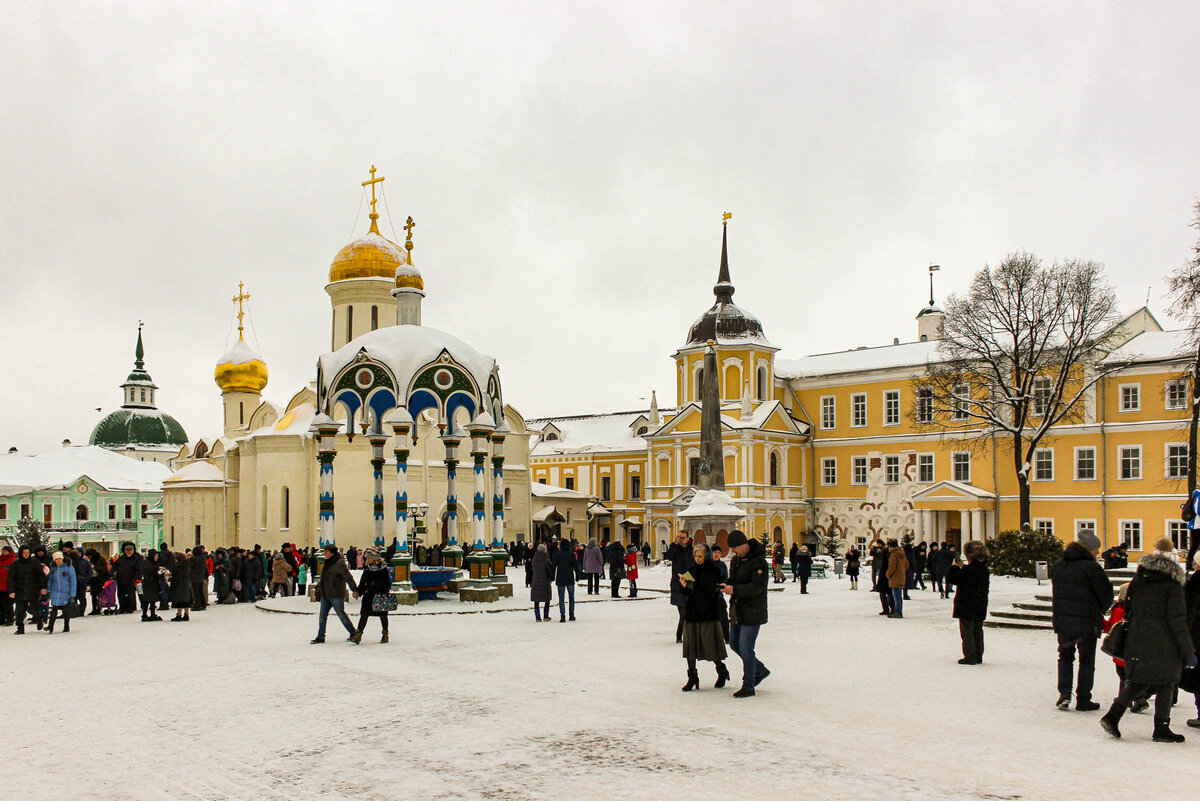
x=950 y=510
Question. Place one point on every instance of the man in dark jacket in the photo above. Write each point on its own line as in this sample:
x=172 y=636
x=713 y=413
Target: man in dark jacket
x=803 y=568
x=335 y=578
x=26 y=586
x=83 y=573
x=1158 y=644
x=199 y=579
x=127 y=572
x=941 y=568
x=971 y=602
x=565 y=565
x=615 y=557
x=681 y=559
x=747 y=591
x=1082 y=594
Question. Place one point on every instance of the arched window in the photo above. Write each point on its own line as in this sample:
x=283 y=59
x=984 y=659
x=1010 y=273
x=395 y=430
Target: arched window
x=774 y=470
x=349 y=323
x=143 y=398
x=507 y=498
x=762 y=383
x=263 y=508
x=642 y=430
x=550 y=436
x=81 y=512
x=285 y=508
x=374 y=317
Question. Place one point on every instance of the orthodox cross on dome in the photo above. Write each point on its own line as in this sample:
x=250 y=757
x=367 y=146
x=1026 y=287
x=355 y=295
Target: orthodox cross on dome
x=371 y=183
x=408 y=226
x=724 y=288
x=139 y=352
x=239 y=298
x=933 y=268
x=726 y=217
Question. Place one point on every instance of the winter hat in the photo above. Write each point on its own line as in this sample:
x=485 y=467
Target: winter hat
x=736 y=538
x=57 y=555
x=1088 y=540
x=1123 y=591
x=975 y=551
x=1164 y=545
x=371 y=553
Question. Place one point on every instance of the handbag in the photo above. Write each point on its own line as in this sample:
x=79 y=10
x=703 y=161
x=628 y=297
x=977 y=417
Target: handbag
x=1114 y=643
x=237 y=585
x=384 y=603
x=71 y=610
x=1189 y=680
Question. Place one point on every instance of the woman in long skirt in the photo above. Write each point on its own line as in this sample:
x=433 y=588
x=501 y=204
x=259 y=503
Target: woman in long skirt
x=703 y=638
x=180 y=593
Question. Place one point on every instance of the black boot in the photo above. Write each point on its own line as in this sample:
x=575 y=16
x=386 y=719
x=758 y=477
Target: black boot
x=1163 y=733
x=693 y=680
x=722 y=675
x=1112 y=719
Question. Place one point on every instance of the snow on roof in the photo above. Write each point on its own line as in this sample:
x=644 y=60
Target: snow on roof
x=1153 y=346
x=240 y=353
x=196 y=471
x=562 y=493
x=588 y=433
x=405 y=349
x=859 y=360
x=62 y=467
x=294 y=423
x=712 y=503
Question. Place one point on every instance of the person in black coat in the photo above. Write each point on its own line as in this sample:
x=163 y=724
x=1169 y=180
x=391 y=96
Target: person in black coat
x=151 y=592
x=26 y=586
x=971 y=602
x=180 y=592
x=1158 y=644
x=1082 y=594
x=565 y=565
x=199 y=578
x=802 y=564
x=794 y=559
x=703 y=637
x=251 y=572
x=681 y=559
x=376 y=580
x=920 y=561
x=747 y=590
x=540 y=571
x=1191 y=594
x=942 y=560
x=615 y=556
x=127 y=571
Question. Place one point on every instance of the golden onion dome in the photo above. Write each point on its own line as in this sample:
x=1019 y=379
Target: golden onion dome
x=373 y=256
x=408 y=276
x=241 y=370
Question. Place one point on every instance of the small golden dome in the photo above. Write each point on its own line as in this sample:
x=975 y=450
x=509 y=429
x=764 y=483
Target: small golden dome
x=241 y=370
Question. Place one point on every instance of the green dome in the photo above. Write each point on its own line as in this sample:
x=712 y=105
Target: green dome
x=138 y=427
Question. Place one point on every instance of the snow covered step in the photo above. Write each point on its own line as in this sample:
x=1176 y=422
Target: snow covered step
x=1023 y=614
x=1040 y=606
x=992 y=623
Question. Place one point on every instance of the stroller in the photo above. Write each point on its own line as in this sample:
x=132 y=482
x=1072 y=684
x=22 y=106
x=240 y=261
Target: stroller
x=108 y=598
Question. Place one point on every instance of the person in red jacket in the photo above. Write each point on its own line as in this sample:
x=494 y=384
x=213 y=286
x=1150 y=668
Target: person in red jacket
x=1115 y=616
x=7 y=557
x=631 y=569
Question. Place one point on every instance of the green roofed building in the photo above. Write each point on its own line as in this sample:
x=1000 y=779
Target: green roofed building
x=138 y=429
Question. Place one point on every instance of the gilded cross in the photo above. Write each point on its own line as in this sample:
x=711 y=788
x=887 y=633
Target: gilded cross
x=371 y=183
x=408 y=226
x=239 y=298
x=726 y=217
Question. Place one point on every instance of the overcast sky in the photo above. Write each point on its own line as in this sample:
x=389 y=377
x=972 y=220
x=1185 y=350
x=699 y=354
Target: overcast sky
x=567 y=165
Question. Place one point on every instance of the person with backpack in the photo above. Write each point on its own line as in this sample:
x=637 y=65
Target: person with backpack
x=1082 y=594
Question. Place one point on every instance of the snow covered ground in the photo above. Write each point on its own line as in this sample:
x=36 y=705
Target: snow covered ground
x=237 y=705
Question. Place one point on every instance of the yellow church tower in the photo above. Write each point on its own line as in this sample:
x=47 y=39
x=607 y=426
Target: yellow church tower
x=241 y=374
x=361 y=280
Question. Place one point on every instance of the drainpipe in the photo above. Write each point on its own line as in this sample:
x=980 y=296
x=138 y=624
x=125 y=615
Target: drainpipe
x=812 y=458
x=1103 y=467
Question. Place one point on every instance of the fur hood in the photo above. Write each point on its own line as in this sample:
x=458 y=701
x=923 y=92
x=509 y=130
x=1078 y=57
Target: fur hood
x=1162 y=563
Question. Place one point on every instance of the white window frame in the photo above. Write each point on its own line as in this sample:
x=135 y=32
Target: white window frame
x=960 y=409
x=924 y=405
x=1078 y=449
x=954 y=466
x=1080 y=524
x=828 y=404
x=1047 y=523
x=828 y=463
x=1169 y=525
x=1136 y=395
x=888 y=461
x=854 y=468
x=932 y=468
x=858 y=397
x=891 y=403
x=1141 y=537
x=1167 y=461
x=1042 y=385
x=1182 y=384
x=1039 y=452
x=1121 y=449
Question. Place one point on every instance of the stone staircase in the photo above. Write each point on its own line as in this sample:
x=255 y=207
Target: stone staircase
x=1038 y=613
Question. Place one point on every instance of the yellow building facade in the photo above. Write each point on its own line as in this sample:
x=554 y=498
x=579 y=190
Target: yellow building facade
x=828 y=443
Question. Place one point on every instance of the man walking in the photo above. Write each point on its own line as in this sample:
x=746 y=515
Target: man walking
x=127 y=572
x=682 y=560
x=335 y=577
x=26 y=586
x=747 y=591
x=566 y=572
x=1082 y=594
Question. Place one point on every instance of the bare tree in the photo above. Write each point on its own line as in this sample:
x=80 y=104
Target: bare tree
x=1184 y=287
x=1018 y=355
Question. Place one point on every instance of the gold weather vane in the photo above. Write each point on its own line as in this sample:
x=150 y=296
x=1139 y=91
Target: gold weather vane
x=408 y=226
x=239 y=298
x=726 y=217
x=371 y=183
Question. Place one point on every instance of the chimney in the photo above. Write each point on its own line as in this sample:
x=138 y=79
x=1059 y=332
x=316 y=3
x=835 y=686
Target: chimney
x=66 y=443
x=895 y=340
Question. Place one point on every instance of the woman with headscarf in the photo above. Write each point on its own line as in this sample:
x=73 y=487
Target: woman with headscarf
x=180 y=592
x=376 y=582
x=151 y=594
x=539 y=582
x=703 y=637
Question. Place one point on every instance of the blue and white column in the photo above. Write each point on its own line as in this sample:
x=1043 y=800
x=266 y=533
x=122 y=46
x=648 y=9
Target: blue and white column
x=326 y=429
x=452 y=553
x=377 y=441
